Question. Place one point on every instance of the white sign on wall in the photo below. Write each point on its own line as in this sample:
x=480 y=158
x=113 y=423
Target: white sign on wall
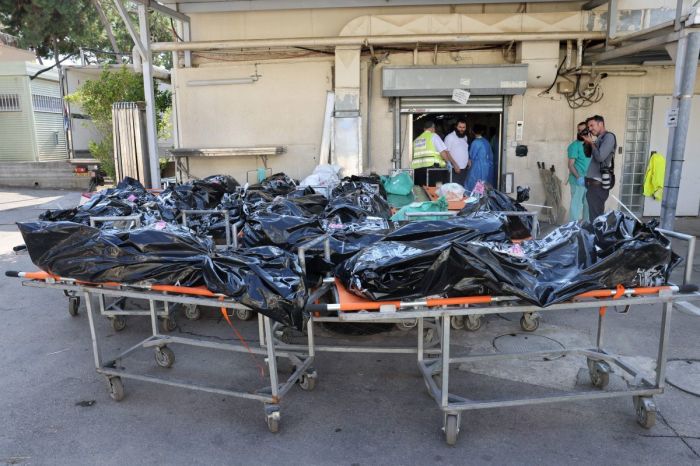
x=672 y=117
x=460 y=96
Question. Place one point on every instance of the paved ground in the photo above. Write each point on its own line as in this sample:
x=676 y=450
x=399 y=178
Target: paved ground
x=366 y=409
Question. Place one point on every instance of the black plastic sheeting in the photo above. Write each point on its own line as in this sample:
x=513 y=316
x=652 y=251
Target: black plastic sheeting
x=267 y=279
x=496 y=201
x=417 y=260
x=575 y=258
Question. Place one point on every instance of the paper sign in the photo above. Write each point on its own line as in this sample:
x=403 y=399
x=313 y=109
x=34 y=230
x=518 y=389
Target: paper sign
x=460 y=96
x=672 y=118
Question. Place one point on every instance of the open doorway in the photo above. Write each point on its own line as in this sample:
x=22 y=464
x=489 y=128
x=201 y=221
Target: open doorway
x=445 y=122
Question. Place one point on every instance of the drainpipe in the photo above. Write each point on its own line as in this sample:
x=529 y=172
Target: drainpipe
x=396 y=160
x=686 y=71
x=370 y=77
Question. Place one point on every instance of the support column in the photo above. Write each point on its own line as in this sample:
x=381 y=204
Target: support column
x=147 y=69
x=686 y=72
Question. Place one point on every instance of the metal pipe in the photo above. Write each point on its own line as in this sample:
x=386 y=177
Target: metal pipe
x=147 y=69
x=396 y=159
x=370 y=78
x=373 y=40
x=686 y=71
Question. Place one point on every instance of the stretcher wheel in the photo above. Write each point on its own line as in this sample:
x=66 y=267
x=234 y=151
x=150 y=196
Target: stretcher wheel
x=599 y=372
x=116 y=388
x=73 y=305
x=451 y=428
x=529 y=323
x=273 y=420
x=118 y=323
x=168 y=324
x=244 y=314
x=457 y=322
x=192 y=312
x=406 y=325
x=165 y=357
x=307 y=381
x=646 y=411
x=473 y=323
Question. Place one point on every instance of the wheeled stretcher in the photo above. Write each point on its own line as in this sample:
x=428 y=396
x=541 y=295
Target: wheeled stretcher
x=119 y=309
x=113 y=367
x=436 y=371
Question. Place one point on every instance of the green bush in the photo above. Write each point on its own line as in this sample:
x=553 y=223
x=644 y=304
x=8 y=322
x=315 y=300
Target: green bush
x=96 y=98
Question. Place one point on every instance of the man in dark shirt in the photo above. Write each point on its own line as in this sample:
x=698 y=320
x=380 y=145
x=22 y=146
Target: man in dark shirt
x=602 y=153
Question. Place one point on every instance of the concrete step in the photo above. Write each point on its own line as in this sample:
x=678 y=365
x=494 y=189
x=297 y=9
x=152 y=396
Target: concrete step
x=55 y=175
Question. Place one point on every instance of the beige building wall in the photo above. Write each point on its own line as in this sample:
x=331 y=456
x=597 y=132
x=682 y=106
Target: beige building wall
x=8 y=53
x=284 y=107
x=330 y=21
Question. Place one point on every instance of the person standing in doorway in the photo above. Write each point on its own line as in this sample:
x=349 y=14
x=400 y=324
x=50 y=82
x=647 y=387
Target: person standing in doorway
x=481 y=158
x=599 y=177
x=458 y=147
x=429 y=151
x=578 y=166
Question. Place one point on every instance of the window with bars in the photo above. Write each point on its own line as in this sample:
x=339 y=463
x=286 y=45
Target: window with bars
x=9 y=103
x=47 y=103
x=637 y=135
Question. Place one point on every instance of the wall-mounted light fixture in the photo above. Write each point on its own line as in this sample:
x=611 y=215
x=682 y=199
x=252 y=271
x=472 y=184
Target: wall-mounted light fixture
x=223 y=82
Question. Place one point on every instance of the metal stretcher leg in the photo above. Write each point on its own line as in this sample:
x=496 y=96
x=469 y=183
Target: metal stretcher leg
x=644 y=406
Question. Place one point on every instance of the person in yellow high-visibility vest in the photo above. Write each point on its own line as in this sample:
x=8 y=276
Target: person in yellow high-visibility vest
x=429 y=151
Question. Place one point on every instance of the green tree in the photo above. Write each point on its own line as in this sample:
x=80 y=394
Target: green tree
x=96 y=98
x=51 y=27
x=54 y=28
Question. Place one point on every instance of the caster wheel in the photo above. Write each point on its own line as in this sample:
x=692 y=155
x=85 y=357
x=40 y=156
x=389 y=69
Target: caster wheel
x=192 y=312
x=73 y=305
x=307 y=382
x=168 y=324
x=244 y=314
x=116 y=388
x=473 y=323
x=451 y=428
x=118 y=323
x=165 y=357
x=529 y=323
x=646 y=411
x=407 y=325
x=457 y=322
x=599 y=372
x=273 y=421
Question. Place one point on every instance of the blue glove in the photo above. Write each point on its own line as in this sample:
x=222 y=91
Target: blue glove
x=581 y=181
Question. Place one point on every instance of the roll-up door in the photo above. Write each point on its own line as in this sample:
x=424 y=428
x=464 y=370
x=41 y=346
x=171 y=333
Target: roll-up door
x=476 y=103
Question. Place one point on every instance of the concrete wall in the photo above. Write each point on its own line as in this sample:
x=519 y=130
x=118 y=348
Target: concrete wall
x=56 y=175
x=284 y=107
x=8 y=53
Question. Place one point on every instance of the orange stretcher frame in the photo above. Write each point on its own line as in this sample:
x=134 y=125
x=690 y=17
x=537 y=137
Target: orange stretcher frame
x=349 y=302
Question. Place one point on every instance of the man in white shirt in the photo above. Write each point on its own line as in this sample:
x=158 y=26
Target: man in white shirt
x=458 y=146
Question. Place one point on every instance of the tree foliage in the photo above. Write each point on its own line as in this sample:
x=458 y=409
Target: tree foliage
x=47 y=26
x=96 y=97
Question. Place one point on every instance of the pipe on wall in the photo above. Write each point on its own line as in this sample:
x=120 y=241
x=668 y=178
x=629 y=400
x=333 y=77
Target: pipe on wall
x=373 y=40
